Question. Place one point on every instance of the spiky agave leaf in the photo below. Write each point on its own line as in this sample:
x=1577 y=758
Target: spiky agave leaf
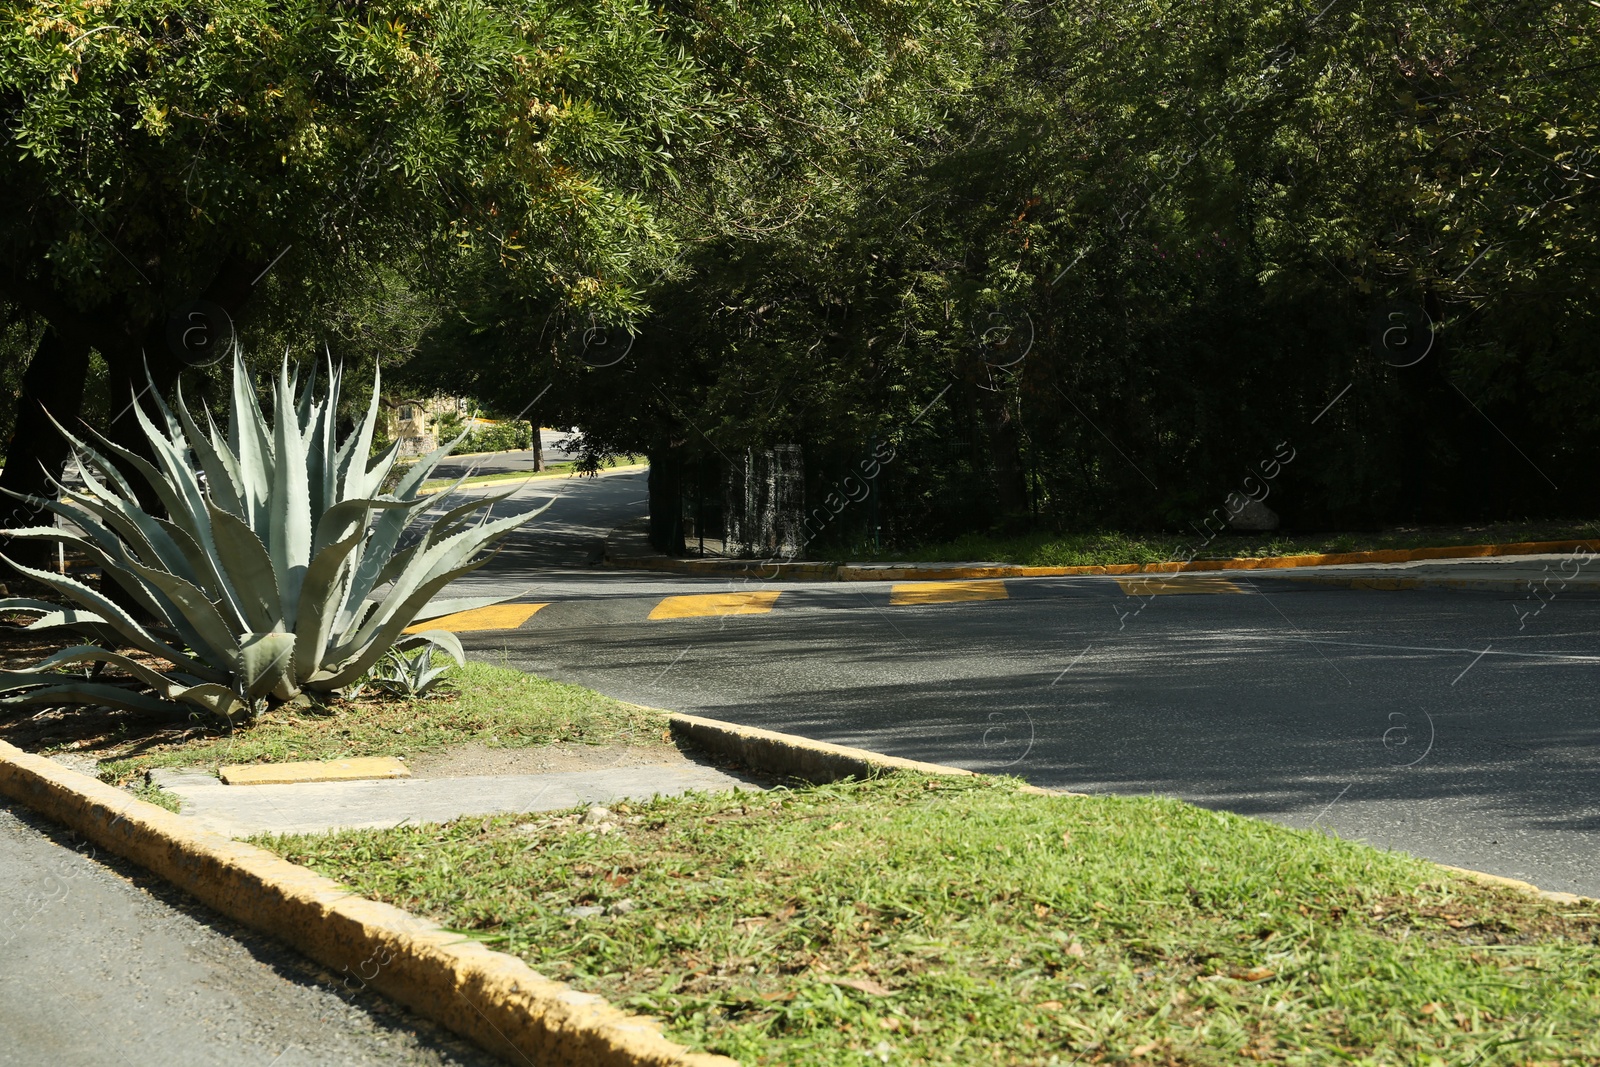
x=275 y=568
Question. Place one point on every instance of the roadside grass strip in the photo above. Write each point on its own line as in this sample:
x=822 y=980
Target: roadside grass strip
x=494 y=617
x=701 y=604
x=489 y=705
x=912 y=919
x=946 y=592
x=1199 y=583
x=1119 y=547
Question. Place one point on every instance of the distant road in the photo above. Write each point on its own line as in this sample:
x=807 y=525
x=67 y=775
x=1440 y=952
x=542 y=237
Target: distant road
x=495 y=462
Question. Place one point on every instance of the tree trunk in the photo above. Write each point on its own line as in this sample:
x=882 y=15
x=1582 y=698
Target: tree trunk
x=666 y=502
x=1005 y=453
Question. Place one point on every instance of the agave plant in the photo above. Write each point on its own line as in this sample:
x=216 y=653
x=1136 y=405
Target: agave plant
x=278 y=569
x=408 y=675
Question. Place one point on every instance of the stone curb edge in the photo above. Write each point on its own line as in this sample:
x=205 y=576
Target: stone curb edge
x=820 y=762
x=491 y=998
x=873 y=572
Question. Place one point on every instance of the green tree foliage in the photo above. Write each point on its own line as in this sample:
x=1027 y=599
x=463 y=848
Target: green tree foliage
x=1201 y=225
x=158 y=154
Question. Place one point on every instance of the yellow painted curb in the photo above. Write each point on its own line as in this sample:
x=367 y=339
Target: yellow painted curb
x=1512 y=883
x=487 y=483
x=873 y=572
x=357 y=768
x=493 y=999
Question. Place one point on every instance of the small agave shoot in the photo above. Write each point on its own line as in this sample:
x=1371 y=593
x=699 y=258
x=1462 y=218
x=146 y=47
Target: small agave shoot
x=277 y=572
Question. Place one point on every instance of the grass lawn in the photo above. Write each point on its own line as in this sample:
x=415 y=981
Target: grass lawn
x=938 y=920
x=1103 y=548
x=489 y=705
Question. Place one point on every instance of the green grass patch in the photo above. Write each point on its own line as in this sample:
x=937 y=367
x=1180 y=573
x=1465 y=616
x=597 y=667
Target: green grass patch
x=938 y=920
x=154 y=794
x=1112 y=547
x=488 y=705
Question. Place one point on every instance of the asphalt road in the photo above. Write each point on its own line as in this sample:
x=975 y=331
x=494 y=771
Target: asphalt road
x=495 y=462
x=1423 y=721
x=1416 y=720
x=100 y=964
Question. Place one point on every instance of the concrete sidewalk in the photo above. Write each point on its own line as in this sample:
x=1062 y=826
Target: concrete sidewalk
x=318 y=807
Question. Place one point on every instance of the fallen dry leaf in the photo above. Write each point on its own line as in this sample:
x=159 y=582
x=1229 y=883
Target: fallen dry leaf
x=1051 y=1005
x=1145 y=1049
x=1254 y=974
x=1075 y=949
x=1429 y=1009
x=889 y=1022
x=778 y=994
x=864 y=985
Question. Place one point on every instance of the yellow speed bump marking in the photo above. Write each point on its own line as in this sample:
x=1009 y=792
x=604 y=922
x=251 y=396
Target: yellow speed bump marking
x=334 y=770
x=493 y=617
x=947 y=592
x=689 y=607
x=1182 y=584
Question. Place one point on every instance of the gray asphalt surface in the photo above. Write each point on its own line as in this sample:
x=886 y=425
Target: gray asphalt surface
x=1423 y=721
x=1418 y=720
x=102 y=964
x=496 y=462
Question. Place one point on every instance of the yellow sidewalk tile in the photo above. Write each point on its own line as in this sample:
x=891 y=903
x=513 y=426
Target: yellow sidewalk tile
x=1181 y=584
x=947 y=592
x=335 y=770
x=688 y=607
x=493 y=617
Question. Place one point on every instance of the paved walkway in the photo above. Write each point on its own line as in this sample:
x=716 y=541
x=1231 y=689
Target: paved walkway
x=101 y=964
x=317 y=807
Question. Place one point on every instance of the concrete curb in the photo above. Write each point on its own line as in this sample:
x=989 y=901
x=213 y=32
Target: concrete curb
x=491 y=998
x=879 y=572
x=1522 y=887
x=791 y=755
x=820 y=762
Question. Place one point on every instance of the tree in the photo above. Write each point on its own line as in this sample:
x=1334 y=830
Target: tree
x=163 y=159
